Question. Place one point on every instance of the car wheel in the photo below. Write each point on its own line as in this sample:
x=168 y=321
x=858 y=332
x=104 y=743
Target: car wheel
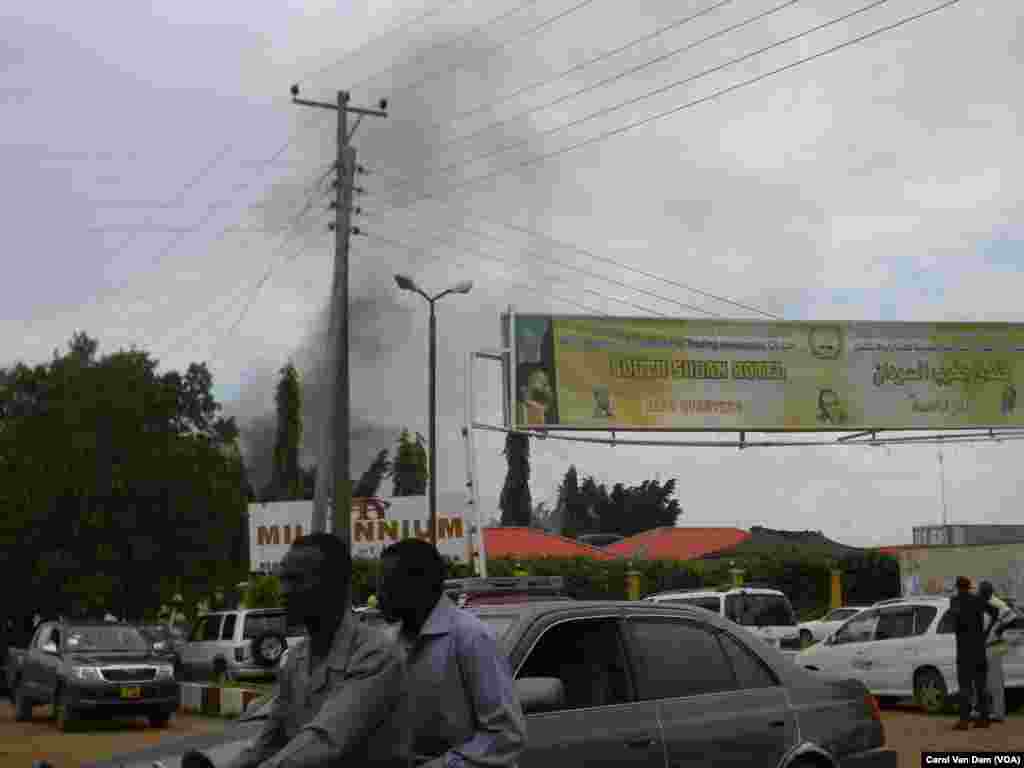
x=22 y=706
x=160 y=719
x=63 y=712
x=806 y=638
x=268 y=648
x=930 y=691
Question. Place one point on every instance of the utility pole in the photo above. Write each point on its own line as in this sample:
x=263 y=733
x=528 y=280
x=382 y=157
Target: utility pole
x=942 y=480
x=334 y=478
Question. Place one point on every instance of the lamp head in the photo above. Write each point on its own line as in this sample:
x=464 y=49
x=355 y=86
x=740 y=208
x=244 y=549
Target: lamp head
x=405 y=282
x=464 y=287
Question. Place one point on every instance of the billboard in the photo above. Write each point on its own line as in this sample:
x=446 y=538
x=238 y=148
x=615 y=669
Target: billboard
x=376 y=523
x=931 y=570
x=731 y=375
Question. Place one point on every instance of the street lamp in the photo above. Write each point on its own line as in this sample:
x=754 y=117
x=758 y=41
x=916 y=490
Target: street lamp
x=406 y=283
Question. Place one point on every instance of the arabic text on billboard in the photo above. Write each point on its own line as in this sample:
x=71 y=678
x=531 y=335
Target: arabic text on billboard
x=636 y=374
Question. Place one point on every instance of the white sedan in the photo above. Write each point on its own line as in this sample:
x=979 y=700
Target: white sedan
x=906 y=649
x=816 y=631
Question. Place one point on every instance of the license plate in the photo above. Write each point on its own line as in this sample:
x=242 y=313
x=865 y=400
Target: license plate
x=131 y=693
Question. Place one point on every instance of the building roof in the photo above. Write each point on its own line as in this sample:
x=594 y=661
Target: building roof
x=533 y=542
x=671 y=543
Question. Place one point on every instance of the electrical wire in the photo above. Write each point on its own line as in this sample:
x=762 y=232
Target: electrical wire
x=536 y=287
x=579 y=270
x=491 y=257
x=599 y=58
x=620 y=75
x=566 y=245
x=488 y=53
x=687 y=105
x=503 y=148
x=437 y=46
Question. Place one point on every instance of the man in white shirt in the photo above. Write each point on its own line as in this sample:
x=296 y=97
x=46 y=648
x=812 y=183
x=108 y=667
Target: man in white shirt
x=994 y=650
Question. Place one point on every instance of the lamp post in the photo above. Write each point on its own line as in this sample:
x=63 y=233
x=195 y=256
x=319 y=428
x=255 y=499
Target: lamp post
x=406 y=283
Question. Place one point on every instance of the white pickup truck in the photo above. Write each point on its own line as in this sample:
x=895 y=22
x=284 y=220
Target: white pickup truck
x=236 y=645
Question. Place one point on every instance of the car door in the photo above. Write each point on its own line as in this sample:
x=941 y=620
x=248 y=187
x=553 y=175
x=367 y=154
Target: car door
x=600 y=722
x=718 y=703
x=31 y=665
x=197 y=654
x=845 y=655
x=1013 y=661
x=898 y=643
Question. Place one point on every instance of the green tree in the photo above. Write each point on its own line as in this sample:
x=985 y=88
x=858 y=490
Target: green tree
x=263 y=592
x=638 y=508
x=409 y=473
x=369 y=484
x=515 y=501
x=286 y=479
x=106 y=465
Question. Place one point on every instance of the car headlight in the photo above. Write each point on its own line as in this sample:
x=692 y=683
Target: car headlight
x=88 y=674
x=165 y=672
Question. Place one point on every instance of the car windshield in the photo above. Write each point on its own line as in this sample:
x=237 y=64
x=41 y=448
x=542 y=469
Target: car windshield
x=841 y=614
x=105 y=639
x=760 y=610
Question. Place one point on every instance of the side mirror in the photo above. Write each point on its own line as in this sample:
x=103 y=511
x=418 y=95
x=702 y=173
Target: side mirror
x=50 y=648
x=160 y=645
x=540 y=694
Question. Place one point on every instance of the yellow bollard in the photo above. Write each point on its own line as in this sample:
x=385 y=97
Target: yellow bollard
x=837 y=589
x=632 y=585
x=737 y=576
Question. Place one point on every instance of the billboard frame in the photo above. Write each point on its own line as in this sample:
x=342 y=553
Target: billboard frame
x=978 y=432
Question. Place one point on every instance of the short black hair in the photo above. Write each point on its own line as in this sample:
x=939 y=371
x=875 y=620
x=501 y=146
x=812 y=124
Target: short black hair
x=986 y=588
x=420 y=560
x=337 y=560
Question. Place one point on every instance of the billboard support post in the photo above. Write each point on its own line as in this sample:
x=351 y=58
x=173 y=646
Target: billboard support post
x=472 y=469
x=510 y=370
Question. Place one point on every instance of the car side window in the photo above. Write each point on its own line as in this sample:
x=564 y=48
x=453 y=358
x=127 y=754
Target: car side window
x=43 y=637
x=895 y=623
x=859 y=629
x=588 y=656
x=673 y=658
x=924 y=615
x=948 y=624
x=750 y=671
x=227 y=632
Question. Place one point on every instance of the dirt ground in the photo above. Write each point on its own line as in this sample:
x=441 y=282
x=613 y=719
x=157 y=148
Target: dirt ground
x=911 y=732
x=22 y=743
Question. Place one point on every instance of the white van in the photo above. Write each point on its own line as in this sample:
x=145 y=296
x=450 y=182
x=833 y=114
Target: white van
x=764 y=611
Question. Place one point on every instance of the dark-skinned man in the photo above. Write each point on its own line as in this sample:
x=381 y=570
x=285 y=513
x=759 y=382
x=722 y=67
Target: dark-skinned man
x=969 y=612
x=339 y=690
x=461 y=709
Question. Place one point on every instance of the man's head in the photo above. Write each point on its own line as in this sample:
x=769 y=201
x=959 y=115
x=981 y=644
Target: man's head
x=986 y=590
x=412 y=580
x=315 y=577
x=963 y=584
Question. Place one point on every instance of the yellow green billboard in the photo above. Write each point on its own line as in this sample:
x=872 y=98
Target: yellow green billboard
x=649 y=374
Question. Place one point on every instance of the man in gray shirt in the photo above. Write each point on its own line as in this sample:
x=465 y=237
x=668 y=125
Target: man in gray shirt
x=461 y=709
x=339 y=691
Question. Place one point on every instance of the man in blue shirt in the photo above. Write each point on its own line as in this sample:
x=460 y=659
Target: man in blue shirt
x=461 y=709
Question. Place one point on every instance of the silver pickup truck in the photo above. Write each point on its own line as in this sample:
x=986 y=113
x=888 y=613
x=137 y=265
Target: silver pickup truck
x=645 y=685
x=92 y=669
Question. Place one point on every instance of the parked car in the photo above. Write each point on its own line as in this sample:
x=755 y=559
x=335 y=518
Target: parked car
x=816 y=631
x=92 y=668
x=646 y=684
x=764 y=611
x=906 y=649
x=237 y=645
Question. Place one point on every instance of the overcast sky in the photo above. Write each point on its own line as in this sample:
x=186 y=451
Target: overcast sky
x=154 y=170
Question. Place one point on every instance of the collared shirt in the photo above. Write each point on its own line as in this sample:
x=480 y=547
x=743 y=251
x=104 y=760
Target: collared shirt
x=461 y=707
x=342 y=708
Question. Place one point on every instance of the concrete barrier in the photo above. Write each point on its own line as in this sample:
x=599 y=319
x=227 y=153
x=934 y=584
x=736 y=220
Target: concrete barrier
x=201 y=698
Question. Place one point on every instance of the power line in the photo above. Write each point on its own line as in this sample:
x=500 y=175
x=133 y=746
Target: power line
x=598 y=257
x=601 y=57
x=488 y=53
x=491 y=257
x=688 y=105
x=505 y=278
x=440 y=45
x=636 y=99
x=582 y=271
x=620 y=75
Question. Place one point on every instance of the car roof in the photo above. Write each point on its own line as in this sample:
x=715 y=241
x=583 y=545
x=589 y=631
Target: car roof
x=717 y=593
